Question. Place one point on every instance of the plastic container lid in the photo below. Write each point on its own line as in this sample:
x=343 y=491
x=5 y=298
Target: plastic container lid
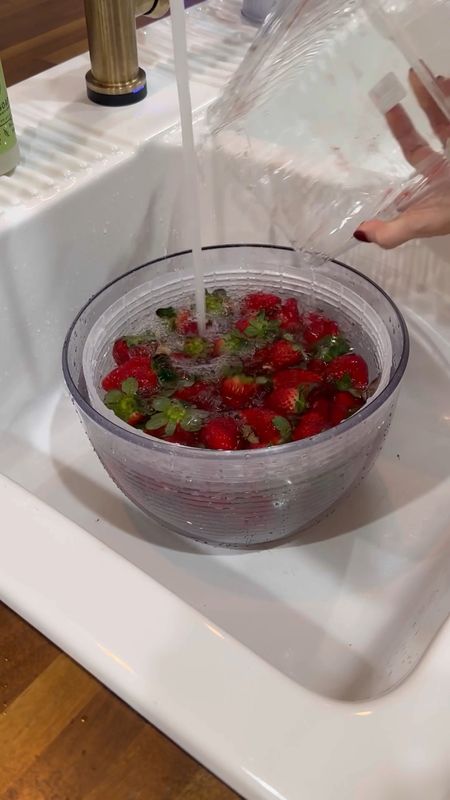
x=319 y=117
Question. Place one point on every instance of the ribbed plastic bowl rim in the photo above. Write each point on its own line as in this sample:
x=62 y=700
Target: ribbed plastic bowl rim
x=159 y=445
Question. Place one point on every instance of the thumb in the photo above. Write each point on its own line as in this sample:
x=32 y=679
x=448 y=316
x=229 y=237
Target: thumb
x=385 y=234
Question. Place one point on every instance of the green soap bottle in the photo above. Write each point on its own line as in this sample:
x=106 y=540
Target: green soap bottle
x=9 y=149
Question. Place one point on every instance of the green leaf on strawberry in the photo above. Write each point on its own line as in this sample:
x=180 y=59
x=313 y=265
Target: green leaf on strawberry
x=259 y=327
x=130 y=386
x=282 y=425
x=195 y=347
x=123 y=405
x=171 y=413
x=167 y=314
x=112 y=397
x=232 y=342
x=217 y=302
x=167 y=375
x=344 y=384
x=329 y=347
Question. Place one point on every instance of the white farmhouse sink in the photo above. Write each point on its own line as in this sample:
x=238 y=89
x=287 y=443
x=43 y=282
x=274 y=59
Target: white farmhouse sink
x=317 y=670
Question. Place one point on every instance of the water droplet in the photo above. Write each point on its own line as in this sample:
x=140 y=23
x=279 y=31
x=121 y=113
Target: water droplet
x=83 y=718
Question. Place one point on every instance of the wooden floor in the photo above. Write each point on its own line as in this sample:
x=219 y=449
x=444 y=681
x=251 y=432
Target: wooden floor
x=63 y=736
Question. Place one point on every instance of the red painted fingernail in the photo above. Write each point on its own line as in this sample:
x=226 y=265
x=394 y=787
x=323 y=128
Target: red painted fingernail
x=361 y=236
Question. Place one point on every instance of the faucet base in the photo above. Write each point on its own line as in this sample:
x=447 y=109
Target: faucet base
x=118 y=95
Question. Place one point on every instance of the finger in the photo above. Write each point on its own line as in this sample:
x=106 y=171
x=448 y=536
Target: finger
x=415 y=149
x=437 y=119
x=386 y=234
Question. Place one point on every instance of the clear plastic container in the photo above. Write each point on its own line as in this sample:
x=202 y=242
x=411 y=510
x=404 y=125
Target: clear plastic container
x=317 y=121
x=241 y=498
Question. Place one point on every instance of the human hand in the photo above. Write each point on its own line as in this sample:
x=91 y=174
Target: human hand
x=429 y=215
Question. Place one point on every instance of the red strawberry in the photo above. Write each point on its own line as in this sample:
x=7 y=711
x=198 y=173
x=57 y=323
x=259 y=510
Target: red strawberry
x=316 y=326
x=317 y=366
x=120 y=351
x=255 y=302
x=201 y=394
x=188 y=438
x=289 y=315
x=221 y=433
x=140 y=350
x=180 y=436
x=263 y=428
x=319 y=400
x=237 y=391
x=138 y=368
x=184 y=323
x=279 y=355
x=287 y=400
x=344 y=404
x=311 y=423
x=348 y=371
x=295 y=377
x=131 y=347
x=136 y=418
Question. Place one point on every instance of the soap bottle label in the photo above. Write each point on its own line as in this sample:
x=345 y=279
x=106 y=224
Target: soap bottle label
x=7 y=132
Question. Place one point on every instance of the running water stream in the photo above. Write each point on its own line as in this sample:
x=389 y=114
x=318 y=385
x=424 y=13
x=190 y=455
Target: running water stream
x=177 y=13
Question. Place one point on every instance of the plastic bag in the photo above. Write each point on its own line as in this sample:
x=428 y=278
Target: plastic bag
x=314 y=122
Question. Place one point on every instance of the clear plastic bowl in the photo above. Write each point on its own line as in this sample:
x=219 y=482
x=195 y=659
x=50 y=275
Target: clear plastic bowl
x=241 y=498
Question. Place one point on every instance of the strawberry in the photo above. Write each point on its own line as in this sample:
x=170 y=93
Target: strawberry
x=343 y=405
x=258 y=327
x=136 y=418
x=217 y=302
x=179 y=436
x=295 y=377
x=348 y=371
x=221 y=433
x=144 y=344
x=195 y=347
x=169 y=414
x=317 y=366
x=231 y=342
x=201 y=394
x=184 y=322
x=319 y=400
x=255 y=302
x=263 y=428
x=165 y=371
x=138 y=368
x=330 y=347
x=179 y=320
x=120 y=351
x=282 y=353
x=311 y=423
x=126 y=403
x=287 y=400
x=237 y=391
x=289 y=316
x=316 y=326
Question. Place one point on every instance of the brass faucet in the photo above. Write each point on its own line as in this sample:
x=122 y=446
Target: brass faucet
x=115 y=77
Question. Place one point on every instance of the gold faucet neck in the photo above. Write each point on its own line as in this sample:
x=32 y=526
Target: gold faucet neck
x=115 y=77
